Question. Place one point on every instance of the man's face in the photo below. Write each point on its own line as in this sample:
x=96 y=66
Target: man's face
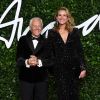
x=36 y=27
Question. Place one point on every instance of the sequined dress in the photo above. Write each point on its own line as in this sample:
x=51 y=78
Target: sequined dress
x=68 y=61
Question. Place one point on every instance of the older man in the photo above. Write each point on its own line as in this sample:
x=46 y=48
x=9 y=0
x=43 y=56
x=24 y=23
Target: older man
x=33 y=79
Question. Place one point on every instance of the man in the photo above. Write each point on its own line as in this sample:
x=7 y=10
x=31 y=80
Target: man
x=33 y=78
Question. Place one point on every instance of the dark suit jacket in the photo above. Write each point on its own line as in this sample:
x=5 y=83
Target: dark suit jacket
x=62 y=56
x=25 y=48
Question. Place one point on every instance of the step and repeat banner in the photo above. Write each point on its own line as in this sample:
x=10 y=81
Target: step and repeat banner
x=14 y=23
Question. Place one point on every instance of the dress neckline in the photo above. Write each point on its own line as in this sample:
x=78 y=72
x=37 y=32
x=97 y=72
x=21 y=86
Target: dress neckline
x=64 y=42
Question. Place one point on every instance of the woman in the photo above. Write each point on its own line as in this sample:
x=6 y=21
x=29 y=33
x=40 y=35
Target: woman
x=64 y=49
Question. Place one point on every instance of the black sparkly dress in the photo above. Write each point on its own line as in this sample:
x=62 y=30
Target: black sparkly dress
x=68 y=60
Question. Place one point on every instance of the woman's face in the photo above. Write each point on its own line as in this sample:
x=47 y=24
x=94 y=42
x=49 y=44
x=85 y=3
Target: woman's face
x=62 y=17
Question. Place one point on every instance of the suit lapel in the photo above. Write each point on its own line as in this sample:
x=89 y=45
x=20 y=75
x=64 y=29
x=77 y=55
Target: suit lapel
x=39 y=45
x=30 y=43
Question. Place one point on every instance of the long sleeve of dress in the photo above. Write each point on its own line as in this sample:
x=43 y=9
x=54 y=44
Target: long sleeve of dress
x=48 y=57
x=80 y=51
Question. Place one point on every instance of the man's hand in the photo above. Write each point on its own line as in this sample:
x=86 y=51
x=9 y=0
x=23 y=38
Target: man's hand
x=82 y=74
x=33 y=61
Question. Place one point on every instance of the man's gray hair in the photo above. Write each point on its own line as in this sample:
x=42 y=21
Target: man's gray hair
x=35 y=18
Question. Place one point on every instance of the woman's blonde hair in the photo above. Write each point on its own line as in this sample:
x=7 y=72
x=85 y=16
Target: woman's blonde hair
x=70 y=24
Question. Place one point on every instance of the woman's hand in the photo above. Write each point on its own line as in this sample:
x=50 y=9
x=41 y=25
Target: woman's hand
x=82 y=74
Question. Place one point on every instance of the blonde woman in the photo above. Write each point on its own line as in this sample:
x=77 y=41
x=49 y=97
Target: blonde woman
x=66 y=54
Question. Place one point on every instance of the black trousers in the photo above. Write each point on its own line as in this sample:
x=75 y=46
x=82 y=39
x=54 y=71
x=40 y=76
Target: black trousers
x=34 y=91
